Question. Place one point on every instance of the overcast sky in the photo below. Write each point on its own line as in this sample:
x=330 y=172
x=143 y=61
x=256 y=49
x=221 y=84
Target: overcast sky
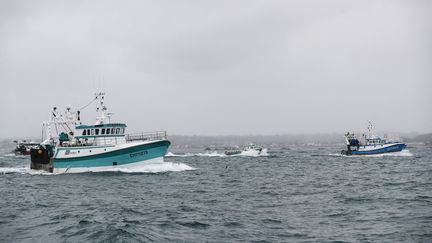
x=219 y=67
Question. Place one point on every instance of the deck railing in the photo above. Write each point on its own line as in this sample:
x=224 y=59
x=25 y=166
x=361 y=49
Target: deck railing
x=159 y=135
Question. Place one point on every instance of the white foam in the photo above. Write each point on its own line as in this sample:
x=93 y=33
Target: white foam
x=218 y=154
x=264 y=152
x=170 y=154
x=21 y=170
x=150 y=168
x=12 y=155
x=211 y=154
x=158 y=168
x=403 y=153
x=207 y=154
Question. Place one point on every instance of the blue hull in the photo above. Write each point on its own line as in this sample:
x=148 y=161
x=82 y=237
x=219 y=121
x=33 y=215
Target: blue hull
x=390 y=149
x=119 y=157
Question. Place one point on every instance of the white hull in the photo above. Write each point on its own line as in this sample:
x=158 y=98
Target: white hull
x=262 y=152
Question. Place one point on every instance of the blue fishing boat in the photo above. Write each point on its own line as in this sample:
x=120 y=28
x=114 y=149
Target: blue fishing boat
x=69 y=146
x=370 y=144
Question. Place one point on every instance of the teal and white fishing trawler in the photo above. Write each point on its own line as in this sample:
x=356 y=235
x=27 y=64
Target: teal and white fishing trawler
x=69 y=146
x=370 y=144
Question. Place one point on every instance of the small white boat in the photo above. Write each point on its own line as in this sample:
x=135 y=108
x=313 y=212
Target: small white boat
x=71 y=146
x=250 y=150
x=370 y=144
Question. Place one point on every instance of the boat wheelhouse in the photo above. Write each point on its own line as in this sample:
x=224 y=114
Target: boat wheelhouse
x=71 y=146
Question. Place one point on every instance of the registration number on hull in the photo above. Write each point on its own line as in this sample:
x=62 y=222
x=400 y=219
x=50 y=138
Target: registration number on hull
x=141 y=153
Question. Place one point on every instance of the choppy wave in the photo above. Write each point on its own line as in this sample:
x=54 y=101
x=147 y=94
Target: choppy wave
x=403 y=153
x=22 y=170
x=218 y=154
x=14 y=156
x=150 y=168
x=207 y=154
x=9 y=155
x=164 y=207
x=156 y=168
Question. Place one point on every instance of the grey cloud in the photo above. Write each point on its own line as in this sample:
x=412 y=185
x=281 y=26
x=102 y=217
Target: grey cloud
x=222 y=67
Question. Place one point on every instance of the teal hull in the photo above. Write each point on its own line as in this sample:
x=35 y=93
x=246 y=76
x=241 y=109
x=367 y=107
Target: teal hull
x=116 y=158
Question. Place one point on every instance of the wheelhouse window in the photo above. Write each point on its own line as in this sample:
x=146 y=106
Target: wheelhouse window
x=84 y=132
x=97 y=131
x=103 y=131
x=92 y=132
x=112 y=130
x=108 y=131
x=117 y=130
x=122 y=130
x=88 y=131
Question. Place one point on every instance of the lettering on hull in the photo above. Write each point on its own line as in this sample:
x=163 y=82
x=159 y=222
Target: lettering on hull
x=141 y=153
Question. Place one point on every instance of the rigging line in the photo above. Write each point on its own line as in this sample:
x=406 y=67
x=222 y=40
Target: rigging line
x=63 y=125
x=56 y=128
x=70 y=130
x=42 y=135
x=87 y=104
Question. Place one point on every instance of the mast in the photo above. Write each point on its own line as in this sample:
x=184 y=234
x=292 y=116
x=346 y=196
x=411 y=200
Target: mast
x=370 y=129
x=105 y=116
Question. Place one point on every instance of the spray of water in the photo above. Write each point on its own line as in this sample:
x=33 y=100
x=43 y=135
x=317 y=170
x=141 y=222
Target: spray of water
x=403 y=153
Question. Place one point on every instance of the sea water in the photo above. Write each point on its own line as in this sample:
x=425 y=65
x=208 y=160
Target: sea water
x=295 y=194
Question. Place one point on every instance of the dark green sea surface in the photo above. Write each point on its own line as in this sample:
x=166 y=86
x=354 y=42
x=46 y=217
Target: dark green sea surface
x=297 y=194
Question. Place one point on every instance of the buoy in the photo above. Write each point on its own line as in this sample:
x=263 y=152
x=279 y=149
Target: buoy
x=40 y=152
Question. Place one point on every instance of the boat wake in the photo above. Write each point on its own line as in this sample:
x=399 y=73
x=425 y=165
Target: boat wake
x=9 y=155
x=150 y=168
x=22 y=170
x=403 y=153
x=217 y=154
x=208 y=154
x=12 y=155
x=155 y=168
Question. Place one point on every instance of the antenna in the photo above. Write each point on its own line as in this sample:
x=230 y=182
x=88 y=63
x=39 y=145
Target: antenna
x=370 y=126
x=370 y=129
x=104 y=117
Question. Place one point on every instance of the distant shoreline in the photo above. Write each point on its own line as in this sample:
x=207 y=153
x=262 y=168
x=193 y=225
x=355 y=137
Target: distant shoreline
x=268 y=140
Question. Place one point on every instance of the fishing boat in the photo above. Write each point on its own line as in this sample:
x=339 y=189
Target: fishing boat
x=69 y=146
x=250 y=150
x=23 y=147
x=232 y=151
x=370 y=144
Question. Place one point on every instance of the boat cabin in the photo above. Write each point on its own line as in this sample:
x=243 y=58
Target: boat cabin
x=94 y=135
x=375 y=141
x=102 y=130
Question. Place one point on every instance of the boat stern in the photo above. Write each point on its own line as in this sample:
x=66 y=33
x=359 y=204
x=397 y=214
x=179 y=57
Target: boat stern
x=41 y=158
